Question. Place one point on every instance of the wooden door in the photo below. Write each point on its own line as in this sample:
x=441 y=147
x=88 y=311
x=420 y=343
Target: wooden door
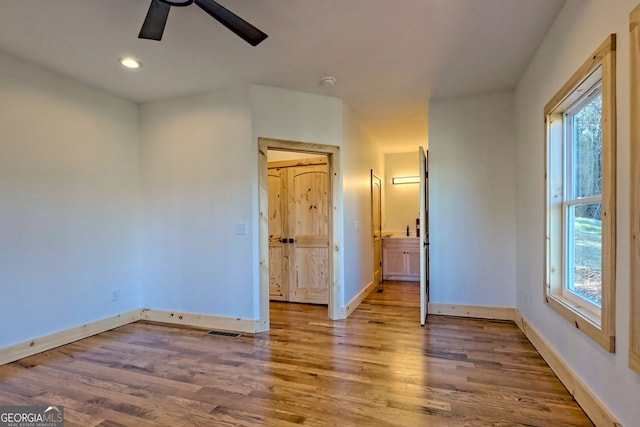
x=299 y=256
x=308 y=223
x=278 y=250
x=376 y=225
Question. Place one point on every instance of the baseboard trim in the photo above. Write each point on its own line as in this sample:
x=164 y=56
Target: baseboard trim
x=475 y=311
x=595 y=410
x=47 y=342
x=357 y=300
x=38 y=345
x=202 y=321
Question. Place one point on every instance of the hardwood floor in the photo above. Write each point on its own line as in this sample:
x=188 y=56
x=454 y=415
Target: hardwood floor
x=377 y=368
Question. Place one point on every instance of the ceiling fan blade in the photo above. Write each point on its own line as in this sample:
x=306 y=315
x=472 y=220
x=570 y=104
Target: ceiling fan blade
x=155 y=21
x=242 y=28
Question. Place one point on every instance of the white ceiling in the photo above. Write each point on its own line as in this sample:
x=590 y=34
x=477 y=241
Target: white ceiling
x=389 y=57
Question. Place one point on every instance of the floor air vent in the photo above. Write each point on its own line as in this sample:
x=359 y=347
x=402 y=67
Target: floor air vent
x=224 y=334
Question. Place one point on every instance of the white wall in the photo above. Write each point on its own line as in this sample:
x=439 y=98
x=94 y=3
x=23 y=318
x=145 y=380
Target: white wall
x=472 y=200
x=580 y=28
x=360 y=155
x=100 y=194
x=402 y=201
x=199 y=169
x=300 y=117
x=68 y=203
x=296 y=116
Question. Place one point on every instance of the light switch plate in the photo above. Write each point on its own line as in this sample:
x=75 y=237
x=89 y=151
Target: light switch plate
x=241 y=230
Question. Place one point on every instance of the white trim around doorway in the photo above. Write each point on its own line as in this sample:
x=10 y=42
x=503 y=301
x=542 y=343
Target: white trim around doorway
x=333 y=158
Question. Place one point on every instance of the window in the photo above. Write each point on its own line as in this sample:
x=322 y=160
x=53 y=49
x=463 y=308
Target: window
x=634 y=347
x=582 y=205
x=580 y=198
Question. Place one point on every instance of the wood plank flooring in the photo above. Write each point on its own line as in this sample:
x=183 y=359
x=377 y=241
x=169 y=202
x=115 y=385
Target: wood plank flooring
x=377 y=368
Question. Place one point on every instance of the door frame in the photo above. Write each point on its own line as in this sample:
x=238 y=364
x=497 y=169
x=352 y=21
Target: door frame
x=375 y=176
x=424 y=234
x=335 y=233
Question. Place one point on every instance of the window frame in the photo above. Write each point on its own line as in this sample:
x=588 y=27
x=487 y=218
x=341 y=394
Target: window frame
x=599 y=67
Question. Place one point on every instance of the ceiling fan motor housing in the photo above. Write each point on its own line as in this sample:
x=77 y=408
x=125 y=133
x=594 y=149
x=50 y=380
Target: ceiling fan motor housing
x=178 y=3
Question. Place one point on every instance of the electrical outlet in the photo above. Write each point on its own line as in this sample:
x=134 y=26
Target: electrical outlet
x=115 y=295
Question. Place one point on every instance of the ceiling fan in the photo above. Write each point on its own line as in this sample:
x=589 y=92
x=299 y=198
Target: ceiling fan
x=154 y=23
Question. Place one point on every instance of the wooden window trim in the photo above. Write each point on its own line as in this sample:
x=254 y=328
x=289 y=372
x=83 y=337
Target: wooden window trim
x=602 y=329
x=634 y=329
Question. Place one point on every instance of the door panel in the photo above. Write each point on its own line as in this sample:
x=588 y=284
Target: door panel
x=311 y=281
x=377 y=260
x=308 y=223
x=278 y=252
x=277 y=273
x=309 y=198
x=276 y=183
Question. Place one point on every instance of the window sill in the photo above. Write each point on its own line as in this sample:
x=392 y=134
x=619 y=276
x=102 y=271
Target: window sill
x=582 y=319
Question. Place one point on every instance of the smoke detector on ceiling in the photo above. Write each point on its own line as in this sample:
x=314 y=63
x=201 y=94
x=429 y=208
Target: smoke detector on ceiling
x=328 y=81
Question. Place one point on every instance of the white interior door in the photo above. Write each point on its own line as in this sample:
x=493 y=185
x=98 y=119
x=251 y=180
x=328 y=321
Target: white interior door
x=424 y=236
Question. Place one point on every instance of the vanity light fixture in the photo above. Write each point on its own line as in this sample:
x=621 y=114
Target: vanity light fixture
x=405 y=180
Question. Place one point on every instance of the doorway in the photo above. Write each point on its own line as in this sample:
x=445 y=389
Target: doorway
x=298 y=227
x=332 y=154
x=405 y=248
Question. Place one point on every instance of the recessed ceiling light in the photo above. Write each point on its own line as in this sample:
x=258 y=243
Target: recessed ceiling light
x=130 y=62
